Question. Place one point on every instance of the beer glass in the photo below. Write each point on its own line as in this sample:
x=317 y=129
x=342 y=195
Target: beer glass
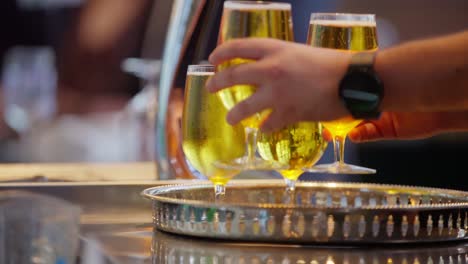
x=243 y=19
x=206 y=136
x=348 y=33
x=294 y=148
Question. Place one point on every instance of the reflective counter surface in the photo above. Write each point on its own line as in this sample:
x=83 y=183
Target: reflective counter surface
x=126 y=244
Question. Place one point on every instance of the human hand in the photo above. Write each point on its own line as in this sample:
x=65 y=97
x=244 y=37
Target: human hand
x=295 y=81
x=409 y=125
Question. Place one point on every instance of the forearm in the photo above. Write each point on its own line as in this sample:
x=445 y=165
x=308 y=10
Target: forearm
x=429 y=75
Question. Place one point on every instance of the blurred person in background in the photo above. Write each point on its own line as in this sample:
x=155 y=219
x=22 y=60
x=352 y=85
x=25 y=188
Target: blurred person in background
x=104 y=33
x=90 y=38
x=89 y=41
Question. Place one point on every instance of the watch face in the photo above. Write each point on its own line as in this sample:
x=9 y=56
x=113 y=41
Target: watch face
x=362 y=92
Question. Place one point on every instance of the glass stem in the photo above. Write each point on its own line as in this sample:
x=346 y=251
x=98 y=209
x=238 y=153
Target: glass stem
x=251 y=144
x=338 y=146
x=290 y=185
x=220 y=191
x=288 y=197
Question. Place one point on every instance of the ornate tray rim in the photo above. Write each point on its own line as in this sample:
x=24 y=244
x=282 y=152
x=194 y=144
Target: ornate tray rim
x=153 y=194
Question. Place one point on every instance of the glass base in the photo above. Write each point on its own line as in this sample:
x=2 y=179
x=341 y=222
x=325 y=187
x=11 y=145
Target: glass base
x=220 y=192
x=340 y=168
x=290 y=185
x=241 y=164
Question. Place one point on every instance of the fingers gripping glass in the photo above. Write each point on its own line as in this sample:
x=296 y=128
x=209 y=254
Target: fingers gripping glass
x=348 y=33
x=244 y=19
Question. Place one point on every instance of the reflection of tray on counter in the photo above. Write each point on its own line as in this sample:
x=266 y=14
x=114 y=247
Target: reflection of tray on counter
x=141 y=245
x=175 y=249
x=318 y=212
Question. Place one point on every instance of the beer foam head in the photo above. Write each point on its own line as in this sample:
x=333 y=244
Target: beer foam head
x=195 y=73
x=256 y=5
x=201 y=69
x=342 y=19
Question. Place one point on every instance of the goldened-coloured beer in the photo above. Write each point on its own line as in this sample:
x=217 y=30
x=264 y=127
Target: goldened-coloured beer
x=342 y=126
x=206 y=137
x=350 y=36
x=296 y=147
x=343 y=35
x=244 y=19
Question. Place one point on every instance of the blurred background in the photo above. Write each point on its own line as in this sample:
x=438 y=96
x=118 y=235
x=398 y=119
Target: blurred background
x=68 y=94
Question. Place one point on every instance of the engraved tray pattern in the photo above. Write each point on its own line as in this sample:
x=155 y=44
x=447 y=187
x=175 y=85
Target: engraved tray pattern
x=317 y=212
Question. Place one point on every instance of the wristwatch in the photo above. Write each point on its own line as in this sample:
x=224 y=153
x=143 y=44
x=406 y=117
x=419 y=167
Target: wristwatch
x=361 y=89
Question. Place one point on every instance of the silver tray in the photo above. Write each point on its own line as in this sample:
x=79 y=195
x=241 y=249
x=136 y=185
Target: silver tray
x=317 y=212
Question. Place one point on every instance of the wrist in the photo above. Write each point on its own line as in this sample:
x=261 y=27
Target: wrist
x=388 y=102
x=340 y=65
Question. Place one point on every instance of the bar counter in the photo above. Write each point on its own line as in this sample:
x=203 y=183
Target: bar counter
x=116 y=224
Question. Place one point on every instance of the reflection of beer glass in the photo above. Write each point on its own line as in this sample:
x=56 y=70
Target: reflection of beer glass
x=243 y=19
x=349 y=33
x=294 y=148
x=206 y=137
